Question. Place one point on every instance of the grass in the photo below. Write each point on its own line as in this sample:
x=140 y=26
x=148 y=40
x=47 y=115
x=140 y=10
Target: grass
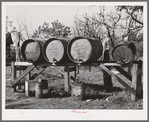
x=96 y=96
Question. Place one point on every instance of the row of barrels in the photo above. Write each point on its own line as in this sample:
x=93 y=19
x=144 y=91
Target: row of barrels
x=78 y=50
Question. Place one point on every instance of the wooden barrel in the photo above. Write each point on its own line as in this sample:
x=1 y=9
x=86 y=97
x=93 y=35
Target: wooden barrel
x=124 y=52
x=81 y=49
x=55 y=51
x=31 y=50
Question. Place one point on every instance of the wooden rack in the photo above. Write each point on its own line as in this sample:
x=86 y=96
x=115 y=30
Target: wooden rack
x=135 y=78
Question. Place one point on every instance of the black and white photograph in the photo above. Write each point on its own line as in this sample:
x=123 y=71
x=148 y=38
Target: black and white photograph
x=74 y=61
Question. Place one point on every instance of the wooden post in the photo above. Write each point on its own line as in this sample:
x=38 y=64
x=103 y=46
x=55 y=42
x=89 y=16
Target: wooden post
x=128 y=69
x=28 y=76
x=67 y=82
x=136 y=80
x=106 y=77
x=75 y=72
x=77 y=69
x=13 y=76
x=90 y=68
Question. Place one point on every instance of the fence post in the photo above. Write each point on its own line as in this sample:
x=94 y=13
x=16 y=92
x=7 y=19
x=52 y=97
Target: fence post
x=136 y=80
x=13 y=75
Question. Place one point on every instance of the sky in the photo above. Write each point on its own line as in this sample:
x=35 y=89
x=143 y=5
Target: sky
x=37 y=15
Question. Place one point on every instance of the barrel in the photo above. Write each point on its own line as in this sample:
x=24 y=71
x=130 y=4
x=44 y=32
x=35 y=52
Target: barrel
x=31 y=50
x=77 y=91
x=82 y=49
x=55 y=51
x=124 y=52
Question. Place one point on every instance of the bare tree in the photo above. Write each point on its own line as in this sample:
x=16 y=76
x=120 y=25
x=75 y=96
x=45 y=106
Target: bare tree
x=125 y=23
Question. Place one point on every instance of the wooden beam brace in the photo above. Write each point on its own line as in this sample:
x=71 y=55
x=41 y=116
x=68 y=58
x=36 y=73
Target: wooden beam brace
x=118 y=79
x=21 y=67
x=22 y=75
x=128 y=76
x=72 y=68
x=39 y=72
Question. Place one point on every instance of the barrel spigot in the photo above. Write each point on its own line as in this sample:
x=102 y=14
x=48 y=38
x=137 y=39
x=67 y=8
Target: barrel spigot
x=80 y=61
x=54 y=61
x=30 y=60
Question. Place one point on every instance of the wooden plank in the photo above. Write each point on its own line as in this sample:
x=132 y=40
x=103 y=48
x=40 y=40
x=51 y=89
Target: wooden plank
x=128 y=76
x=23 y=64
x=118 y=79
x=112 y=64
x=93 y=63
x=23 y=75
x=39 y=72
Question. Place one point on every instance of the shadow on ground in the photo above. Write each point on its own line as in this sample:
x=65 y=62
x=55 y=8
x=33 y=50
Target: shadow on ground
x=17 y=106
x=91 y=91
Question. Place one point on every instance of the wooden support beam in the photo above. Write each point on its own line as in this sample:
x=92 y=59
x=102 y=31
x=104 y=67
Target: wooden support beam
x=128 y=76
x=66 y=76
x=39 y=72
x=22 y=75
x=118 y=79
x=112 y=64
x=20 y=67
x=136 y=80
x=13 y=74
x=23 y=64
x=75 y=72
x=106 y=77
x=71 y=68
x=90 y=68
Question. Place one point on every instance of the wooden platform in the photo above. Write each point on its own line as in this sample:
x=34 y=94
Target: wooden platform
x=69 y=67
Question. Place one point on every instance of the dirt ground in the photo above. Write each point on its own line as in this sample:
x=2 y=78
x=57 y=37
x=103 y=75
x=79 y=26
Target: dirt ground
x=96 y=96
